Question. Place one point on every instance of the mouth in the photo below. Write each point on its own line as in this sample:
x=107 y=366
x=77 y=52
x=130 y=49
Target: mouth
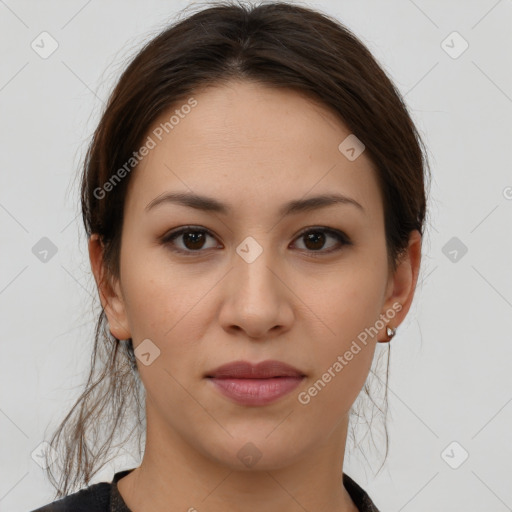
x=255 y=384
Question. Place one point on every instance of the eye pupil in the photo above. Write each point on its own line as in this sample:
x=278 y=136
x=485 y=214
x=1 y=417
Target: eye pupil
x=194 y=237
x=317 y=238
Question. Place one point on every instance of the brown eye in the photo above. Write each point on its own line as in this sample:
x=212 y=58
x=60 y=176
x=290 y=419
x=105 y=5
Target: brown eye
x=192 y=240
x=315 y=239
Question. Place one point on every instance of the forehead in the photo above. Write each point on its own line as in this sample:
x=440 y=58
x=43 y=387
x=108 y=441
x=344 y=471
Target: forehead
x=250 y=144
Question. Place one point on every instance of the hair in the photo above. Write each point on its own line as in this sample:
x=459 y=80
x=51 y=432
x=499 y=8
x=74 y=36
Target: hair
x=273 y=44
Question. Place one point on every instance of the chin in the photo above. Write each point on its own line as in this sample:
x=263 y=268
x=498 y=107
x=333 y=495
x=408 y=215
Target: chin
x=255 y=453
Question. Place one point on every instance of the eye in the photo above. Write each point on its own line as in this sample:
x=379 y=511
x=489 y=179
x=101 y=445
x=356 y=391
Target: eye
x=193 y=239
x=315 y=239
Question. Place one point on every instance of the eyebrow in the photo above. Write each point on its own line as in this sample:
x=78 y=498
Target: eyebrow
x=209 y=204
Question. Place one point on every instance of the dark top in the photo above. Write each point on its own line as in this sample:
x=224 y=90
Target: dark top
x=105 y=497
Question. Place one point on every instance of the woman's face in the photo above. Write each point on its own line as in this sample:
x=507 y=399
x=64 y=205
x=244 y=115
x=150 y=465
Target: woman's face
x=249 y=281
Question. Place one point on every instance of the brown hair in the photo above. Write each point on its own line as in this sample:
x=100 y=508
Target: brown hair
x=275 y=44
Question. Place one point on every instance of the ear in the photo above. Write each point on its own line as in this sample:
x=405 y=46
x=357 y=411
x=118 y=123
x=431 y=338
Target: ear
x=109 y=291
x=402 y=284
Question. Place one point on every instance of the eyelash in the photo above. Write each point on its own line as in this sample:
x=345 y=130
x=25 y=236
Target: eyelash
x=342 y=238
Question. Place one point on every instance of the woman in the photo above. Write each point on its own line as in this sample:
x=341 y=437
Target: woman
x=254 y=200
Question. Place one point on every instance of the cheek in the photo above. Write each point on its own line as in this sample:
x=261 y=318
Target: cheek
x=164 y=303
x=347 y=301
x=160 y=311
x=348 y=307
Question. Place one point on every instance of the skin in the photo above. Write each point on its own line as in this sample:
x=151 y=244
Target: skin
x=254 y=148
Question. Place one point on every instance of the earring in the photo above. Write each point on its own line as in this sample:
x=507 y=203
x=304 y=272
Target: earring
x=390 y=332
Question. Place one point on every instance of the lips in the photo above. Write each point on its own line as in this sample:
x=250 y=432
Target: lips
x=255 y=384
x=246 y=370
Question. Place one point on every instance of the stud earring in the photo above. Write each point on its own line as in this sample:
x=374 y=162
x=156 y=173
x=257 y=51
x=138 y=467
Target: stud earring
x=390 y=332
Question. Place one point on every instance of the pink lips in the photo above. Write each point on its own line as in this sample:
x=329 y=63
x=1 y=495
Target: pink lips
x=258 y=384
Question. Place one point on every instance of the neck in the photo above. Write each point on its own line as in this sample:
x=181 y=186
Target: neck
x=176 y=476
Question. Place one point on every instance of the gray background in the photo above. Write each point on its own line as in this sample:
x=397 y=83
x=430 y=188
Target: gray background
x=450 y=378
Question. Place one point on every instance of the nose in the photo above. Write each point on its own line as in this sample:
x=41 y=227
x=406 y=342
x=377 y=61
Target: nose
x=258 y=300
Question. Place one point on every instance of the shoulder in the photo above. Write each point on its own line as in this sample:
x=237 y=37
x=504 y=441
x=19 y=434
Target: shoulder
x=359 y=496
x=95 y=498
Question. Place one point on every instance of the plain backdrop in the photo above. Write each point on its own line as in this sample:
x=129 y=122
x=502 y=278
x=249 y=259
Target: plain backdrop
x=450 y=387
